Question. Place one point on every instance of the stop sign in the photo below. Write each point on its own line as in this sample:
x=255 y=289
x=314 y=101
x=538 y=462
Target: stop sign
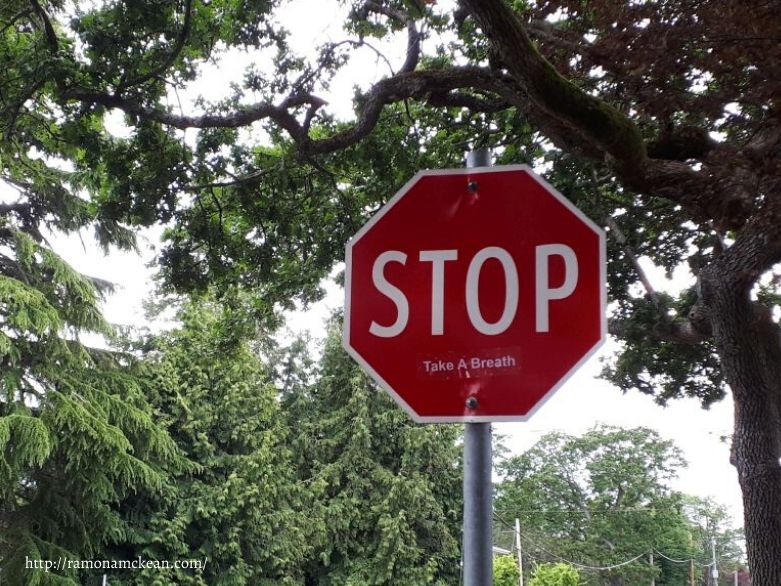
x=473 y=294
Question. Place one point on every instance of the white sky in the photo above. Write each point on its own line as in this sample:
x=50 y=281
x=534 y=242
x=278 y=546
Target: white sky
x=580 y=404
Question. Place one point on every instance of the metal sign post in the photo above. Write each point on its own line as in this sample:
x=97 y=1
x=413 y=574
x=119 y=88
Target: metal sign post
x=477 y=552
x=478 y=506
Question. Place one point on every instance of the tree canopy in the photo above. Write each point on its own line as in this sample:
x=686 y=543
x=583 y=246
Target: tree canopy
x=660 y=119
x=603 y=501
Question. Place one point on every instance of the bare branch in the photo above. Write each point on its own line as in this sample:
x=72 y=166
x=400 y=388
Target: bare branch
x=546 y=32
x=413 y=36
x=420 y=85
x=413 y=48
x=472 y=102
x=18 y=207
x=16 y=109
x=236 y=180
x=244 y=116
x=12 y=21
x=677 y=331
x=620 y=237
x=766 y=140
x=378 y=8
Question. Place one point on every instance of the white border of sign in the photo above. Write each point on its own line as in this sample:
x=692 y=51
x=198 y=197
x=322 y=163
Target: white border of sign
x=395 y=199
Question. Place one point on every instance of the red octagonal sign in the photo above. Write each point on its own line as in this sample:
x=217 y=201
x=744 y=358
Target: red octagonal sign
x=474 y=294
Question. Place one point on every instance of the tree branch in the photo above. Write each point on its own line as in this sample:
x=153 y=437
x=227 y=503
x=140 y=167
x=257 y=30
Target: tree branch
x=413 y=36
x=546 y=32
x=677 y=331
x=16 y=109
x=420 y=85
x=12 y=21
x=765 y=141
x=597 y=129
x=620 y=237
x=51 y=36
x=18 y=207
x=181 y=40
x=757 y=248
x=595 y=120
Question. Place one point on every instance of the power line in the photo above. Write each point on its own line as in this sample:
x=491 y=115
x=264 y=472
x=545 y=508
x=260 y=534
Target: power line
x=539 y=548
x=640 y=509
x=669 y=559
x=576 y=564
x=585 y=566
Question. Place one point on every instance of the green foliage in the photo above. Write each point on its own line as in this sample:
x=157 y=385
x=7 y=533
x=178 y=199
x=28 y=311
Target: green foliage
x=650 y=358
x=242 y=508
x=600 y=499
x=305 y=475
x=77 y=433
x=29 y=436
x=506 y=572
x=555 y=575
x=713 y=525
x=274 y=218
x=656 y=365
x=257 y=227
x=386 y=491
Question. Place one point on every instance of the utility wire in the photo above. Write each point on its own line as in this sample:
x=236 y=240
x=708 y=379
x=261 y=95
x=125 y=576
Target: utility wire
x=531 y=542
x=639 y=509
x=585 y=566
x=576 y=564
x=669 y=559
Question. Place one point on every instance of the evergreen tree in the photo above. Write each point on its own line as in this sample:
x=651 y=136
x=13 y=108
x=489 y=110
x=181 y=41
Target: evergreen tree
x=387 y=492
x=243 y=511
x=77 y=433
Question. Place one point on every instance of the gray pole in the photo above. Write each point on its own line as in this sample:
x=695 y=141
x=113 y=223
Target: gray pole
x=520 y=552
x=651 y=561
x=478 y=550
x=715 y=567
x=478 y=510
x=478 y=158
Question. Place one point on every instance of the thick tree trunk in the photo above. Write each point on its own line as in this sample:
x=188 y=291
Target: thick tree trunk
x=748 y=345
x=759 y=474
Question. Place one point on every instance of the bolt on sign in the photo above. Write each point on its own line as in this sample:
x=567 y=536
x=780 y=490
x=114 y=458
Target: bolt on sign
x=473 y=294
